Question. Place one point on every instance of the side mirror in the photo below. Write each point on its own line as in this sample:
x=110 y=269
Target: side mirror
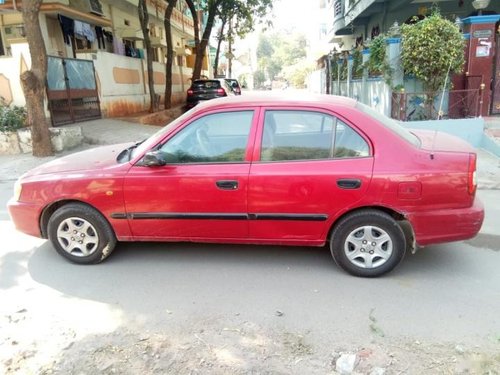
x=234 y=84
x=153 y=159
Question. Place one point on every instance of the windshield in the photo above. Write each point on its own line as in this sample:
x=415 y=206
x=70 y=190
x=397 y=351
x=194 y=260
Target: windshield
x=153 y=140
x=390 y=124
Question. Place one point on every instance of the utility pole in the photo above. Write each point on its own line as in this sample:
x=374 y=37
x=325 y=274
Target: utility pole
x=230 y=54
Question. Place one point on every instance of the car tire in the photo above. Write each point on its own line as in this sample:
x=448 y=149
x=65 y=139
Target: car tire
x=367 y=243
x=81 y=234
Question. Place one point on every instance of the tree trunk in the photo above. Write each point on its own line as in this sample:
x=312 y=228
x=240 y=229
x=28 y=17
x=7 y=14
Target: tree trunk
x=144 y=19
x=196 y=23
x=33 y=81
x=202 y=46
x=220 y=38
x=170 y=53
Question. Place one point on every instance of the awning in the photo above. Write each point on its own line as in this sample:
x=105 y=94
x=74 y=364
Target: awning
x=130 y=33
x=55 y=9
x=156 y=42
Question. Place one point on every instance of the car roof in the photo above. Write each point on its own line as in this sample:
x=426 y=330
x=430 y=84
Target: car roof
x=278 y=99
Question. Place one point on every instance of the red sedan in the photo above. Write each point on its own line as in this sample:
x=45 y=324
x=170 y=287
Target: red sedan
x=262 y=171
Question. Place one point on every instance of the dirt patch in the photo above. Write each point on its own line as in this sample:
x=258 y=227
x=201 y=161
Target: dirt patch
x=160 y=118
x=241 y=349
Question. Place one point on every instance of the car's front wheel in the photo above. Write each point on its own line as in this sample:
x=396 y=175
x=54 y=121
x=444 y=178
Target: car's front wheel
x=368 y=243
x=81 y=234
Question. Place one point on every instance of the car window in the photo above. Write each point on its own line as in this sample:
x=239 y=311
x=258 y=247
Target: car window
x=308 y=135
x=348 y=143
x=215 y=138
x=390 y=124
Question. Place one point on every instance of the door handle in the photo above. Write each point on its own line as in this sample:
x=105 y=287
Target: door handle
x=227 y=184
x=348 y=183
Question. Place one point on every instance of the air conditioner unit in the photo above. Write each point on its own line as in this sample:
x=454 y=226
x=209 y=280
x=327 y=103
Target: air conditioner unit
x=14 y=34
x=156 y=42
x=87 y=6
x=14 y=31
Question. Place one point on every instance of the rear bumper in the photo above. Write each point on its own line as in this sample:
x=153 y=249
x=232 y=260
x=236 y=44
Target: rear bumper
x=447 y=225
x=25 y=217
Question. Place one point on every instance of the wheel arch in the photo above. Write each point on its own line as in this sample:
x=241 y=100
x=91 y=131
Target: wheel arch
x=396 y=215
x=53 y=207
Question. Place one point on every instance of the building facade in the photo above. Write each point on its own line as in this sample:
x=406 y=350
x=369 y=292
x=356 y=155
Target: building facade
x=96 y=56
x=357 y=21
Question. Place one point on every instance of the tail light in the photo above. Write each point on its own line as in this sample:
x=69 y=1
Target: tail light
x=471 y=177
x=221 y=92
x=190 y=92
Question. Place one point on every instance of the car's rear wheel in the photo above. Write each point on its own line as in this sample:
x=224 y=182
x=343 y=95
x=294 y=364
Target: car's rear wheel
x=368 y=243
x=81 y=234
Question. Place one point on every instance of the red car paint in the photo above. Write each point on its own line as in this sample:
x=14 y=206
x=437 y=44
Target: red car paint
x=428 y=185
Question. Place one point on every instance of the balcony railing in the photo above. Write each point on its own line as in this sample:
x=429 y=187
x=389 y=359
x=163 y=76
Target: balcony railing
x=338 y=9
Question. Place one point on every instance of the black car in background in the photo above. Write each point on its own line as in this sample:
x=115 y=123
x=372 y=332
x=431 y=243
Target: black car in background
x=235 y=85
x=206 y=89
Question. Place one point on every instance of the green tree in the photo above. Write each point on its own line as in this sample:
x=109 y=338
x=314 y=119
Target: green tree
x=240 y=17
x=259 y=78
x=431 y=49
x=277 y=51
x=297 y=74
x=246 y=12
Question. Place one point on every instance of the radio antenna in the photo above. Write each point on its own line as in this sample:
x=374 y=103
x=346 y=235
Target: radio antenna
x=440 y=112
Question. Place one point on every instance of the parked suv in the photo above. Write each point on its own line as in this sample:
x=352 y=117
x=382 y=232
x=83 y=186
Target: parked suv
x=206 y=89
x=235 y=85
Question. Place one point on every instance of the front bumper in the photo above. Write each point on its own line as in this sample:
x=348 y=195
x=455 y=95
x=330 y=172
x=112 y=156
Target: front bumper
x=25 y=217
x=447 y=225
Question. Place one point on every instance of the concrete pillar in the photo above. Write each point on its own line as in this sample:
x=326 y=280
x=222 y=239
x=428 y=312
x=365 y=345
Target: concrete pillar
x=393 y=54
x=364 y=86
x=349 y=76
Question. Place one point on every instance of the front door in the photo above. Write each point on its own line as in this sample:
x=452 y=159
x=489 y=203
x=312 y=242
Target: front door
x=495 y=105
x=311 y=166
x=201 y=194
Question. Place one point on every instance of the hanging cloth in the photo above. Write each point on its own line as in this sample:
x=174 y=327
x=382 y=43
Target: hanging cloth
x=100 y=37
x=67 y=27
x=84 y=30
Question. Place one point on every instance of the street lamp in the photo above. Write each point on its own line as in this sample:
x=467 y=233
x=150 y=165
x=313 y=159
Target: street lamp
x=479 y=5
x=329 y=73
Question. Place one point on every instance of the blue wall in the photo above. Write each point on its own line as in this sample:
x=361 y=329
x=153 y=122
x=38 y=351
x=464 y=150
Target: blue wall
x=470 y=129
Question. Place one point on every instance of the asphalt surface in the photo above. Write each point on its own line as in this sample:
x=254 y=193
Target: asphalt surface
x=443 y=294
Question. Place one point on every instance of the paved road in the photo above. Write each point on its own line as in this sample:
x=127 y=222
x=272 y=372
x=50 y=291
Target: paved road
x=443 y=294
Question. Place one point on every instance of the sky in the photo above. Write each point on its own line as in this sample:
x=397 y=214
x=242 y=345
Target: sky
x=302 y=15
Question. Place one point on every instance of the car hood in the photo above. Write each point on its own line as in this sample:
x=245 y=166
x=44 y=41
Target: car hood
x=92 y=159
x=438 y=141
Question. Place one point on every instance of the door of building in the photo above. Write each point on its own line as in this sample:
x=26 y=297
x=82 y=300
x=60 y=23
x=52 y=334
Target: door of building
x=72 y=90
x=495 y=103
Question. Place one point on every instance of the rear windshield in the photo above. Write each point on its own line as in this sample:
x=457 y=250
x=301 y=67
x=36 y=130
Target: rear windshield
x=390 y=124
x=206 y=85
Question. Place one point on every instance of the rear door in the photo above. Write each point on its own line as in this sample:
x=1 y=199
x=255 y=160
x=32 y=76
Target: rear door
x=309 y=165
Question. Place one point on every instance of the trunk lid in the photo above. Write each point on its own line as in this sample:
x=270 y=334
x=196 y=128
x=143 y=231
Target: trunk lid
x=439 y=141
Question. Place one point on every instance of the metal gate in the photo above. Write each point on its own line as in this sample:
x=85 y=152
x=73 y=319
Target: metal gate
x=495 y=103
x=72 y=90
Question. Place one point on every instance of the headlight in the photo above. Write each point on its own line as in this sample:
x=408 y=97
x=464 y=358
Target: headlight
x=17 y=189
